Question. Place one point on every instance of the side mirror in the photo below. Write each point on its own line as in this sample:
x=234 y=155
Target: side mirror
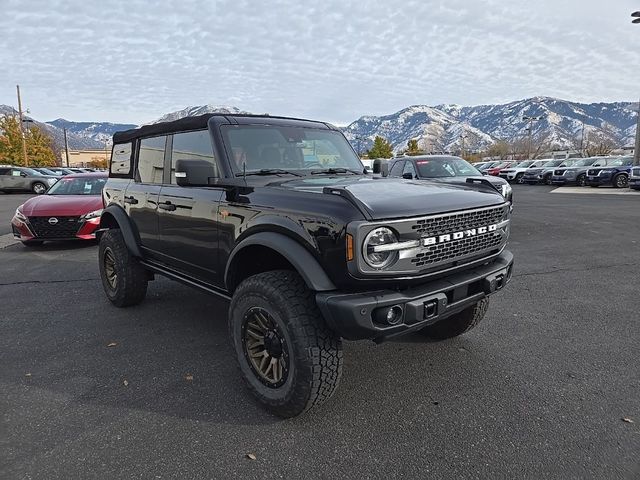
x=194 y=172
x=22 y=174
x=407 y=175
x=483 y=172
x=381 y=167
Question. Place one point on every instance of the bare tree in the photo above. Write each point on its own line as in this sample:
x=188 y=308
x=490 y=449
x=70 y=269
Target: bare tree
x=601 y=142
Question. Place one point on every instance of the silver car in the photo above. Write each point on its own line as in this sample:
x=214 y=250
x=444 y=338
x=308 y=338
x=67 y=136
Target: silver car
x=22 y=179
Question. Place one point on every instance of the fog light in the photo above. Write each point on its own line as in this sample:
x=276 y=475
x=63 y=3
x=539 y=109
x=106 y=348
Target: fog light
x=389 y=315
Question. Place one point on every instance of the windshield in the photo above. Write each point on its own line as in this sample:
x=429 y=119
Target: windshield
x=78 y=186
x=552 y=163
x=523 y=164
x=584 y=162
x=302 y=150
x=445 y=167
x=31 y=171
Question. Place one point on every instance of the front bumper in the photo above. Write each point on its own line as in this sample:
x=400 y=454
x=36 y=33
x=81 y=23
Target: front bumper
x=24 y=232
x=596 y=180
x=634 y=182
x=509 y=177
x=352 y=315
x=528 y=178
x=561 y=180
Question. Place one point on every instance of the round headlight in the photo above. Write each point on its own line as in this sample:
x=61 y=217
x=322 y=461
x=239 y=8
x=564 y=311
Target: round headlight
x=378 y=237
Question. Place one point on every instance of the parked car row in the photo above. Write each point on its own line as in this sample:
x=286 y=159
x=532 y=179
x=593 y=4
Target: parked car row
x=37 y=179
x=592 y=171
x=445 y=169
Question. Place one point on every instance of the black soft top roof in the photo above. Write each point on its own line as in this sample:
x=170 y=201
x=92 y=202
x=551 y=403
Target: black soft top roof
x=201 y=121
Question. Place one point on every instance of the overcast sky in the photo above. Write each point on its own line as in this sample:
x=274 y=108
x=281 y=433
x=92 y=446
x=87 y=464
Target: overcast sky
x=130 y=61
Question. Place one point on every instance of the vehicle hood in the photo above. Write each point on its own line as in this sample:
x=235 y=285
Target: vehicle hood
x=62 y=205
x=382 y=198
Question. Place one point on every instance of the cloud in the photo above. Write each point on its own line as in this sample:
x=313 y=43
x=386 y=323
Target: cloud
x=334 y=60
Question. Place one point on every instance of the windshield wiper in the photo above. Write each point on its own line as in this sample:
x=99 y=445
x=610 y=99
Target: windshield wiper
x=269 y=171
x=331 y=171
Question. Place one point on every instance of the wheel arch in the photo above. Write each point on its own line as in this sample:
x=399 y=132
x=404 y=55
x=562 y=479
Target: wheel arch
x=115 y=217
x=266 y=251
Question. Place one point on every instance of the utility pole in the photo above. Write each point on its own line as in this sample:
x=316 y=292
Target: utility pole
x=462 y=137
x=582 y=141
x=24 y=140
x=636 y=153
x=66 y=146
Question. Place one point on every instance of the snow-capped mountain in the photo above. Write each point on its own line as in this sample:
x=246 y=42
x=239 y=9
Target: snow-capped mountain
x=441 y=128
x=445 y=127
x=78 y=138
x=198 y=110
x=101 y=132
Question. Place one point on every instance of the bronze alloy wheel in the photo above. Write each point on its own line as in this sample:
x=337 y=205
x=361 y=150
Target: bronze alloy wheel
x=110 y=268
x=265 y=347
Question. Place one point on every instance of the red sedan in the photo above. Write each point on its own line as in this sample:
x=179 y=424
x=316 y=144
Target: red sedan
x=70 y=210
x=495 y=171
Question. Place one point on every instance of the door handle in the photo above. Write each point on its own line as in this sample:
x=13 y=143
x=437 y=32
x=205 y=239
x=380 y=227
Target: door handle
x=130 y=200
x=167 y=206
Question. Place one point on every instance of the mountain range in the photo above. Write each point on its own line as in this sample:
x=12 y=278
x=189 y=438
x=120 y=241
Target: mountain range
x=437 y=128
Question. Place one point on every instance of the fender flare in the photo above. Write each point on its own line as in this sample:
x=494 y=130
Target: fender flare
x=304 y=263
x=129 y=232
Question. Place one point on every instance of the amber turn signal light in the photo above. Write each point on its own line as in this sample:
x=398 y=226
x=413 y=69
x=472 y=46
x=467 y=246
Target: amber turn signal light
x=349 y=247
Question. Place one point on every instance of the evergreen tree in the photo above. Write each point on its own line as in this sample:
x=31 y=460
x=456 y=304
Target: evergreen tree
x=412 y=147
x=40 y=148
x=10 y=141
x=39 y=145
x=381 y=148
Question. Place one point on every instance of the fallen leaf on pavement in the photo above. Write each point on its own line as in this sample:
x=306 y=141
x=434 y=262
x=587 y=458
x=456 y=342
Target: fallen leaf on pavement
x=251 y=456
x=628 y=420
x=188 y=377
x=27 y=374
x=125 y=383
x=112 y=344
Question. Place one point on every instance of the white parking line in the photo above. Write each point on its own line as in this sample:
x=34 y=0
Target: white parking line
x=7 y=240
x=597 y=191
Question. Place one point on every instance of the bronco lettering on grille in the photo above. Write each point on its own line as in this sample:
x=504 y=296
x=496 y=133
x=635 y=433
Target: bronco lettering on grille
x=472 y=232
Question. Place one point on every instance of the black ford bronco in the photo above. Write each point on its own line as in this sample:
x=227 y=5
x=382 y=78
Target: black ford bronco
x=279 y=216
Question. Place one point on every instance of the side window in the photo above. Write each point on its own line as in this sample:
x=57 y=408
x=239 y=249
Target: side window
x=5 y=171
x=121 y=159
x=396 y=170
x=151 y=159
x=195 y=146
x=16 y=173
x=409 y=168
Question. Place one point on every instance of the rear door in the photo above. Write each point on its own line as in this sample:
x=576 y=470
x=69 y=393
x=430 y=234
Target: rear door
x=141 y=196
x=5 y=176
x=189 y=215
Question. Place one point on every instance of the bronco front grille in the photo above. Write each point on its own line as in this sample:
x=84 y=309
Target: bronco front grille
x=635 y=172
x=454 y=222
x=61 y=227
x=443 y=241
x=593 y=171
x=558 y=173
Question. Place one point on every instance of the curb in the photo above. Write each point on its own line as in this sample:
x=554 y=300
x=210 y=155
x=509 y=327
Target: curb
x=7 y=240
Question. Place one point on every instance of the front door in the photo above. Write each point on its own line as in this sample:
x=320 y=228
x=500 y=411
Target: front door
x=188 y=216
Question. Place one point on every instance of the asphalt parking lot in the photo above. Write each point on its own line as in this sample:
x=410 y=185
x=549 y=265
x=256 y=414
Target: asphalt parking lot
x=539 y=390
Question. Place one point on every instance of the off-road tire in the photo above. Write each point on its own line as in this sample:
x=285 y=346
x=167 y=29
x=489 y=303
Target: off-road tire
x=581 y=180
x=314 y=352
x=32 y=243
x=38 y=188
x=459 y=323
x=621 y=181
x=131 y=278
